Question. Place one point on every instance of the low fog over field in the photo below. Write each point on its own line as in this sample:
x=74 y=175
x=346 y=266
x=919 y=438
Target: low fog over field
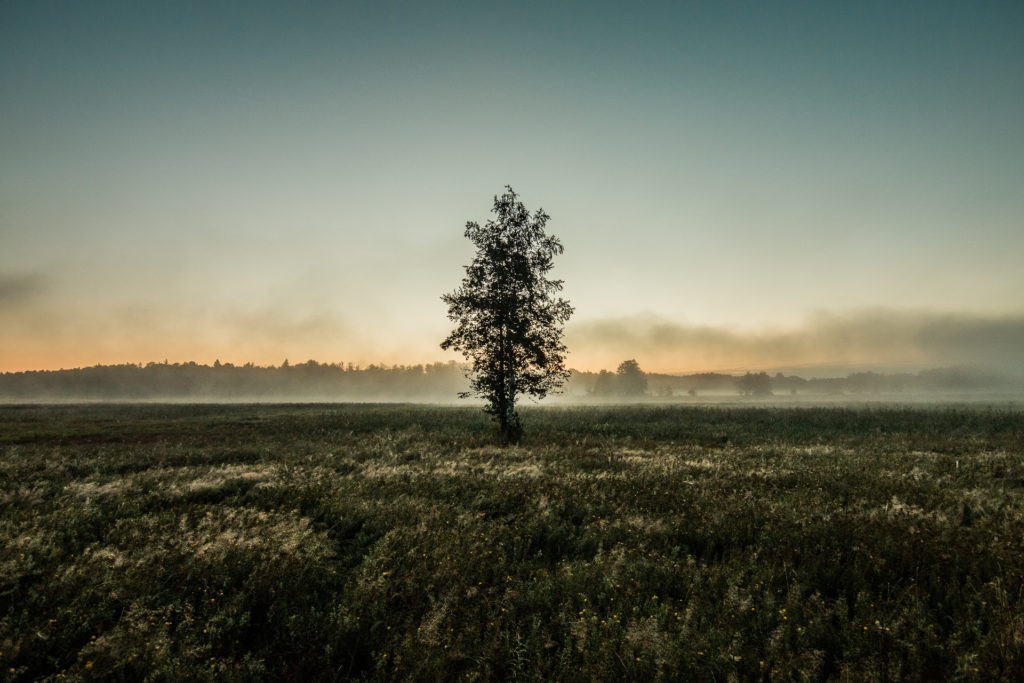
x=441 y=383
x=881 y=340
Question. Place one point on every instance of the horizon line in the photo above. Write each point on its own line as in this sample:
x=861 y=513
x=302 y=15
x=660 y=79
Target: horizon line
x=788 y=370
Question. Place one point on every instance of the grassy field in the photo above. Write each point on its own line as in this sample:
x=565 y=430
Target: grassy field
x=376 y=542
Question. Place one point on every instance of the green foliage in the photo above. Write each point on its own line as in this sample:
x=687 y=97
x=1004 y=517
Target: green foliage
x=508 y=317
x=630 y=543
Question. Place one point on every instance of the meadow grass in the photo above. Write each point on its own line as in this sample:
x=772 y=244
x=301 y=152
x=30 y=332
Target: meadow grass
x=171 y=542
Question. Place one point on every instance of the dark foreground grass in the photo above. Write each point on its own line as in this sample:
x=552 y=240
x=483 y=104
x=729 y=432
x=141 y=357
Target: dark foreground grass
x=374 y=542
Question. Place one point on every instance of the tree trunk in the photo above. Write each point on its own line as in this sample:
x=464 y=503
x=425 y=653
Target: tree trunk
x=512 y=431
x=502 y=407
x=502 y=418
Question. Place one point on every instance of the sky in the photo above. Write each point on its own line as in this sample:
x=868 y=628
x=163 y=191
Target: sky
x=738 y=185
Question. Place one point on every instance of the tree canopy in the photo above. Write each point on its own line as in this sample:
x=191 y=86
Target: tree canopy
x=632 y=380
x=628 y=381
x=508 y=316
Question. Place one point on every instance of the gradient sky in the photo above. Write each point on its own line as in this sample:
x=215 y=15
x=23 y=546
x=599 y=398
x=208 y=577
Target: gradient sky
x=737 y=184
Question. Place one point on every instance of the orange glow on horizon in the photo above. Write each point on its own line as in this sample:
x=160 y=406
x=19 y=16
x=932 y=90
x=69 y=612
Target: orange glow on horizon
x=29 y=362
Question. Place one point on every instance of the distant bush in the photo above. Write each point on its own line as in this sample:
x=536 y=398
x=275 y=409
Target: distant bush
x=755 y=384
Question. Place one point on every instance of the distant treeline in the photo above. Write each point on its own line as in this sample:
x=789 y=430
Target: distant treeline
x=224 y=381
x=441 y=382
x=951 y=380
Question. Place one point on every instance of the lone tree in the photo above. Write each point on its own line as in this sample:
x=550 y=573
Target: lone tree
x=507 y=313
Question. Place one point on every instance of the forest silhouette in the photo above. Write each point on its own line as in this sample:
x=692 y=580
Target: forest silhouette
x=442 y=382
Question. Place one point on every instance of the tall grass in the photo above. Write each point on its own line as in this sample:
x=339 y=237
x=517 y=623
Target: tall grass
x=378 y=542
